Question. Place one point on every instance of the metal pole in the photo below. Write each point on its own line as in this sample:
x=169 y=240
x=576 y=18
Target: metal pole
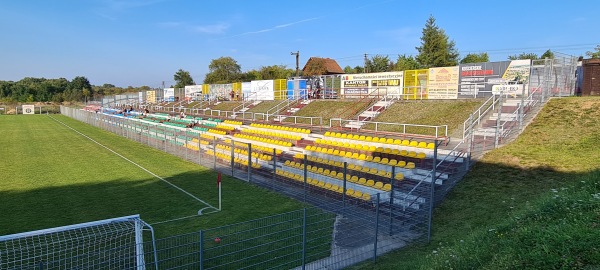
x=201 y=250
x=470 y=141
x=215 y=152
x=392 y=197
x=305 y=176
x=376 y=228
x=304 y=239
x=274 y=163
x=232 y=156
x=432 y=194
x=249 y=161
x=344 y=184
x=497 y=134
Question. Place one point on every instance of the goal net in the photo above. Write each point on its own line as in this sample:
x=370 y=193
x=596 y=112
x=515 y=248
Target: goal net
x=106 y=244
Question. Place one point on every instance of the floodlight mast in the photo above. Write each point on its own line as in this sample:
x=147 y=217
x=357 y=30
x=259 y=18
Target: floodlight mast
x=297 y=54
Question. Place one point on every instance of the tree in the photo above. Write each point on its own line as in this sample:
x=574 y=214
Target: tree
x=275 y=72
x=349 y=70
x=405 y=62
x=436 y=49
x=182 y=78
x=595 y=53
x=475 y=58
x=314 y=67
x=523 y=56
x=223 y=70
x=379 y=63
x=547 y=54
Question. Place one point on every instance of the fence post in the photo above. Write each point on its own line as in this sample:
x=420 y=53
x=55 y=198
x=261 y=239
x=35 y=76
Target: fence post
x=201 y=250
x=249 y=161
x=305 y=176
x=522 y=108
x=215 y=152
x=274 y=163
x=392 y=197
x=497 y=134
x=344 y=184
x=376 y=228
x=470 y=141
x=304 y=239
x=432 y=194
x=232 y=156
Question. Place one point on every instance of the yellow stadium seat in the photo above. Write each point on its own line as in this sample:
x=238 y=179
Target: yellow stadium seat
x=389 y=141
x=334 y=188
x=392 y=162
x=355 y=155
x=404 y=153
x=410 y=165
x=368 y=139
x=387 y=187
x=413 y=144
x=327 y=134
x=397 y=142
x=366 y=197
x=405 y=142
x=328 y=185
x=344 y=136
x=369 y=158
x=421 y=155
x=348 y=154
x=412 y=154
x=378 y=185
x=370 y=183
x=422 y=145
x=375 y=139
x=355 y=137
x=357 y=194
x=340 y=175
x=430 y=145
x=361 y=138
x=384 y=161
x=401 y=163
x=353 y=179
x=399 y=176
x=362 y=157
x=350 y=192
x=362 y=181
x=376 y=159
x=357 y=168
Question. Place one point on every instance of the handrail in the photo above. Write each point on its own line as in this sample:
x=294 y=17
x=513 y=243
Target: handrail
x=443 y=128
x=480 y=115
x=369 y=96
x=428 y=176
x=382 y=108
x=279 y=107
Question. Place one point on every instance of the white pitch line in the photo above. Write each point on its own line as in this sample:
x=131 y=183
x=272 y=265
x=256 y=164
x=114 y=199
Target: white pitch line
x=139 y=166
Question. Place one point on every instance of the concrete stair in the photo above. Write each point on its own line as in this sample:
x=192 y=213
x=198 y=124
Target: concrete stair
x=369 y=114
x=293 y=110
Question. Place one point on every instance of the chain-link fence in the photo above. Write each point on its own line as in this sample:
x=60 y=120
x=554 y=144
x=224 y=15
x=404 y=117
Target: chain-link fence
x=360 y=207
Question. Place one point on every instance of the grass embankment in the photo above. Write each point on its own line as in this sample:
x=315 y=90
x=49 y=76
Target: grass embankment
x=226 y=105
x=51 y=176
x=533 y=204
x=427 y=112
x=328 y=109
x=264 y=106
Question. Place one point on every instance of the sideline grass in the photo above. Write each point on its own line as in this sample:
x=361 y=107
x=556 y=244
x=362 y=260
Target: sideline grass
x=51 y=176
x=511 y=191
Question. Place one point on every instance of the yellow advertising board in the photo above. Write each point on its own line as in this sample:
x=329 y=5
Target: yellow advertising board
x=150 y=96
x=205 y=89
x=280 y=89
x=443 y=83
x=415 y=84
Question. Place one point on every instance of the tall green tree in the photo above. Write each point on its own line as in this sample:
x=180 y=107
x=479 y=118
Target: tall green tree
x=594 y=53
x=223 y=70
x=406 y=62
x=436 y=49
x=379 y=63
x=349 y=70
x=182 y=78
x=275 y=72
x=547 y=54
x=475 y=58
x=523 y=56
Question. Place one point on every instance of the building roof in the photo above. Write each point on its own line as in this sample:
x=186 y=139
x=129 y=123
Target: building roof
x=331 y=66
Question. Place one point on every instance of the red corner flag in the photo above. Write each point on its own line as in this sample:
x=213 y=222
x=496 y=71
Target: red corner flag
x=218 y=179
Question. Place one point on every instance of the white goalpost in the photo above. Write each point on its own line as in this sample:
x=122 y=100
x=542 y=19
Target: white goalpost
x=115 y=243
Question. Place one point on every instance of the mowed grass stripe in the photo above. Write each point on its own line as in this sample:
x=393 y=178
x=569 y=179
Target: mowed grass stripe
x=52 y=176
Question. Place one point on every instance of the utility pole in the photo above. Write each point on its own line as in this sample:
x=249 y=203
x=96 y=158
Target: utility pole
x=366 y=61
x=297 y=54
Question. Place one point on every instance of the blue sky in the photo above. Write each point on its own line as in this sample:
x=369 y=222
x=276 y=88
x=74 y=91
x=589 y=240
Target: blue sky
x=144 y=42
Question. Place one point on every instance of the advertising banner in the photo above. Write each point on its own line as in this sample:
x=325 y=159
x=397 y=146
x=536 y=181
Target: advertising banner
x=415 y=84
x=193 y=92
x=150 y=97
x=221 y=91
x=246 y=90
x=443 y=83
x=479 y=79
x=169 y=94
x=28 y=109
x=381 y=83
x=263 y=89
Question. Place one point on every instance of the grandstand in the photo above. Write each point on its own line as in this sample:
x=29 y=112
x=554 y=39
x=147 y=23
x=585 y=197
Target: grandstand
x=347 y=166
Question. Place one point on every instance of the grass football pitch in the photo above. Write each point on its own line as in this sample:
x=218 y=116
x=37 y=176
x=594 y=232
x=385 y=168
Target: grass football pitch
x=52 y=176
